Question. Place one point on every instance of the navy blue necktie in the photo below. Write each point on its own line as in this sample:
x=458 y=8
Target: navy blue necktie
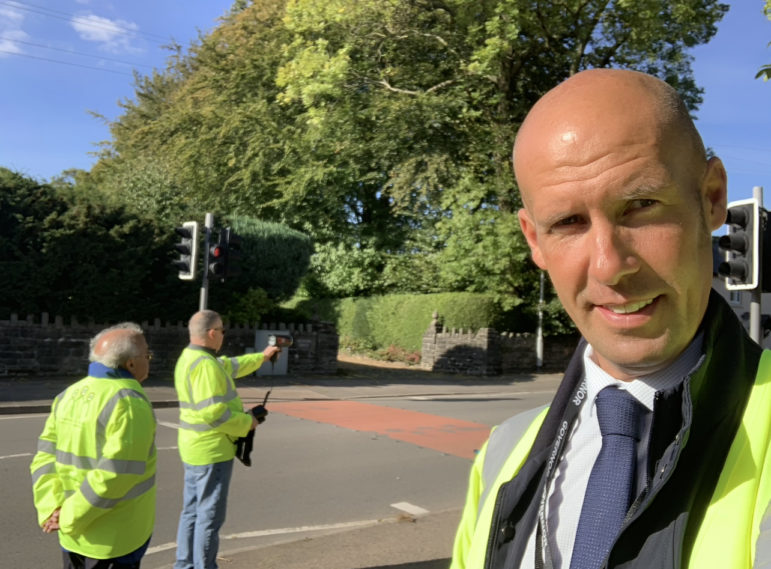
x=612 y=482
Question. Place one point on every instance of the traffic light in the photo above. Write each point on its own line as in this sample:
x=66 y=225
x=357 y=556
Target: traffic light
x=742 y=246
x=233 y=255
x=218 y=258
x=187 y=249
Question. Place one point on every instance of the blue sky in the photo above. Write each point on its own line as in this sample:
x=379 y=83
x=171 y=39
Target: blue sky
x=60 y=59
x=735 y=117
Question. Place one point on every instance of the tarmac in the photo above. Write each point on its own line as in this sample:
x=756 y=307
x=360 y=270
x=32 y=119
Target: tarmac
x=402 y=542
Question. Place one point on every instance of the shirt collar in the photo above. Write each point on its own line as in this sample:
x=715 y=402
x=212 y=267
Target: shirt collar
x=643 y=388
x=102 y=371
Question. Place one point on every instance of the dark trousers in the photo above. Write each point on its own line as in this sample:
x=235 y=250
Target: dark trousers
x=76 y=561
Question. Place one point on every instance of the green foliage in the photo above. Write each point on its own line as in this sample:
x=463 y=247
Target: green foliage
x=274 y=257
x=68 y=254
x=273 y=261
x=353 y=325
x=249 y=307
x=209 y=118
x=338 y=271
x=376 y=323
x=401 y=320
x=765 y=71
x=144 y=186
x=381 y=129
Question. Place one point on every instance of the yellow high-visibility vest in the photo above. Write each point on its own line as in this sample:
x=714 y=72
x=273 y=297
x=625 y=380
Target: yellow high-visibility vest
x=729 y=536
x=211 y=415
x=96 y=460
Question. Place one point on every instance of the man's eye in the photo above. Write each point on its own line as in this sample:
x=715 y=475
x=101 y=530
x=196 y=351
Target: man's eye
x=642 y=203
x=565 y=221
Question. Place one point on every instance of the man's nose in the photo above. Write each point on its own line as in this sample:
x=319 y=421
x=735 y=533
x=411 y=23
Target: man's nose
x=613 y=255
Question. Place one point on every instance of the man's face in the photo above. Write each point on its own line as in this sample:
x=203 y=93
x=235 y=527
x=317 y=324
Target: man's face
x=139 y=366
x=216 y=336
x=622 y=224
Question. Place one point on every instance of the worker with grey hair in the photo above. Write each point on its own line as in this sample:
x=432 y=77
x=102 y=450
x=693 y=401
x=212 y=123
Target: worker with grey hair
x=93 y=476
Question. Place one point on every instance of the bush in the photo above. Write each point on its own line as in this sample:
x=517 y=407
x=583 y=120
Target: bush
x=393 y=326
x=69 y=254
x=274 y=258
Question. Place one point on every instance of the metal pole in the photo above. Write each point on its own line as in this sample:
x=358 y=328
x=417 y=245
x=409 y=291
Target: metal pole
x=208 y=226
x=756 y=293
x=539 y=331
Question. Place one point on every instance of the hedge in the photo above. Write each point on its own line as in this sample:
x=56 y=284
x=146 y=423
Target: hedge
x=376 y=323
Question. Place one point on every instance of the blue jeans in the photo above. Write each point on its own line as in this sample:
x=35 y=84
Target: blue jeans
x=203 y=513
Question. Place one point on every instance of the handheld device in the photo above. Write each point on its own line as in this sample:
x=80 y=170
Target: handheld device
x=280 y=341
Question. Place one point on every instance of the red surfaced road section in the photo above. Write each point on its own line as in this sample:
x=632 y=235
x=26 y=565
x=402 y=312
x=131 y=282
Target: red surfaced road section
x=451 y=436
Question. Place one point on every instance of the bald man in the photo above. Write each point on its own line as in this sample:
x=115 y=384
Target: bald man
x=94 y=472
x=654 y=452
x=211 y=418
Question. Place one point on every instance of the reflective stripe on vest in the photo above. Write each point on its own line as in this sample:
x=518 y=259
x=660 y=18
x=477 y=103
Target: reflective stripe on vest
x=501 y=444
x=65 y=458
x=744 y=484
x=230 y=394
x=106 y=503
x=200 y=427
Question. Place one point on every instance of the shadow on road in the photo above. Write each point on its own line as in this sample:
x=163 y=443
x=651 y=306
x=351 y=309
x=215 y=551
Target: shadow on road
x=367 y=373
x=433 y=564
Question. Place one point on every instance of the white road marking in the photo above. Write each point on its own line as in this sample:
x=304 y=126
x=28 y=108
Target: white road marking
x=169 y=425
x=26 y=454
x=21 y=416
x=16 y=455
x=411 y=509
x=280 y=531
x=456 y=396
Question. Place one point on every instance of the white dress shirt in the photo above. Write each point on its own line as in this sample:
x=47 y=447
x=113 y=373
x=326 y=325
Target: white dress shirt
x=571 y=476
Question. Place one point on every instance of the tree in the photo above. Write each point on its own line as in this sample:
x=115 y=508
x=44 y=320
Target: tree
x=765 y=71
x=273 y=261
x=383 y=128
x=70 y=254
x=208 y=119
x=410 y=109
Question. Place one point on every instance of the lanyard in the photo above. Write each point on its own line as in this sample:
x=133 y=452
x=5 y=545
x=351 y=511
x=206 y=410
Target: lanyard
x=543 y=558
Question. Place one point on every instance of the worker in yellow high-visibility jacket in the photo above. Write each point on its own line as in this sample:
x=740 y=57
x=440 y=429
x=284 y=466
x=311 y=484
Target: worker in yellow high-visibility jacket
x=211 y=418
x=94 y=472
x=655 y=452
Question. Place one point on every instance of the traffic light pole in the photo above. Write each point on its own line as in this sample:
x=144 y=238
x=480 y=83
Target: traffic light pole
x=757 y=292
x=208 y=226
x=539 y=330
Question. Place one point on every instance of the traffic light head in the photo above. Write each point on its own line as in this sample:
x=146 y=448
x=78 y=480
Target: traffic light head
x=233 y=246
x=224 y=255
x=742 y=246
x=218 y=258
x=187 y=249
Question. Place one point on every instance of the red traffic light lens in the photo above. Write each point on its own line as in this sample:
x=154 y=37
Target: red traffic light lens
x=217 y=251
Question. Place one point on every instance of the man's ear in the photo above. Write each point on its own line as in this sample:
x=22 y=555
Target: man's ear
x=714 y=193
x=528 y=228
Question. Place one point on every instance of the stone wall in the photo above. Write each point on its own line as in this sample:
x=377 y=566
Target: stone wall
x=51 y=347
x=488 y=352
x=518 y=352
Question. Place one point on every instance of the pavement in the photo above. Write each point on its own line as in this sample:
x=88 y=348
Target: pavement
x=401 y=542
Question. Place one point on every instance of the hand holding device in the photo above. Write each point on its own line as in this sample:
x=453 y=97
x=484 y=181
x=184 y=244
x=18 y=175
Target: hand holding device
x=280 y=341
